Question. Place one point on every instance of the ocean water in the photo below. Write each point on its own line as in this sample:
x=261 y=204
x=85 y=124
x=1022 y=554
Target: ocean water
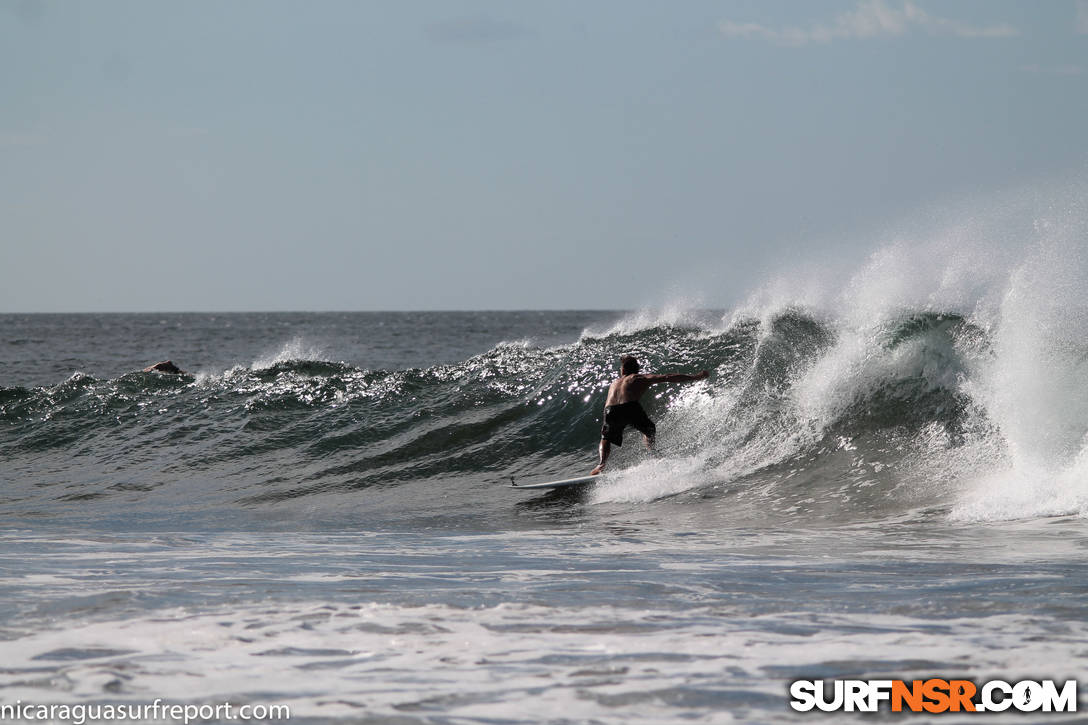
x=886 y=477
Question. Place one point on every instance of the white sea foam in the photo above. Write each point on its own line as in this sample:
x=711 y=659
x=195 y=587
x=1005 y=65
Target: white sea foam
x=616 y=619
x=653 y=479
x=507 y=662
x=1032 y=384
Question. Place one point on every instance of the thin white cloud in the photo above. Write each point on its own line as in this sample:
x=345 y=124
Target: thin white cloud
x=870 y=19
x=1082 y=17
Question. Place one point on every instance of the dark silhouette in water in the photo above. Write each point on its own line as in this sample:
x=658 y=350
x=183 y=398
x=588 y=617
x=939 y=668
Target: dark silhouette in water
x=166 y=366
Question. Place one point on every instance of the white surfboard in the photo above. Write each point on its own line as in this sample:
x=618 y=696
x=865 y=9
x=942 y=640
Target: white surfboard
x=566 y=482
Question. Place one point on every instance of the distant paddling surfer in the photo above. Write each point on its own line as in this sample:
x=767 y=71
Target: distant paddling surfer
x=622 y=409
x=166 y=366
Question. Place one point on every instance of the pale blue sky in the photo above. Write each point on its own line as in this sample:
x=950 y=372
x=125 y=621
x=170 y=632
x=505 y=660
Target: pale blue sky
x=323 y=155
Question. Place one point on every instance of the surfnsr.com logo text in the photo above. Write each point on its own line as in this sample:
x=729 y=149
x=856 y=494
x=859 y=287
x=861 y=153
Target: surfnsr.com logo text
x=933 y=695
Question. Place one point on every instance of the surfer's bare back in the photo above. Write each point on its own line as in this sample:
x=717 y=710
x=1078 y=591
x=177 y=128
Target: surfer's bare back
x=622 y=409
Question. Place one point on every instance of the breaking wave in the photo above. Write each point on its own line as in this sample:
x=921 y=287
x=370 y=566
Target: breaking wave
x=944 y=376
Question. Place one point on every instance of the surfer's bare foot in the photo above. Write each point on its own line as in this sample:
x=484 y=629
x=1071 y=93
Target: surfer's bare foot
x=596 y=470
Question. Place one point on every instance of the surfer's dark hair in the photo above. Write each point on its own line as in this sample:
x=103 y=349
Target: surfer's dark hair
x=628 y=365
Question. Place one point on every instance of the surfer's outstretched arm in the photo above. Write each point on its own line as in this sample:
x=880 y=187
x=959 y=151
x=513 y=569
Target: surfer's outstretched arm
x=676 y=377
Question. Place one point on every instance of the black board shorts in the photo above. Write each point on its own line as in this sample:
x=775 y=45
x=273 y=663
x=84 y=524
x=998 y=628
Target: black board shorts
x=618 y=417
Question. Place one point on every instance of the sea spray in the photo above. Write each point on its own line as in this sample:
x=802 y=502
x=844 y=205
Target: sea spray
x=944 y=373
x=1033 y=387
x=956 y=359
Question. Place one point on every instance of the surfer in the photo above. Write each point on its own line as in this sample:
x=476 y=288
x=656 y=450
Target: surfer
x=622 y=409
x=166 y=366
